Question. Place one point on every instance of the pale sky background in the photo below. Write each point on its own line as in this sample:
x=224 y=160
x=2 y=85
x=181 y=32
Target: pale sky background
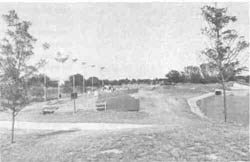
x=132 y=40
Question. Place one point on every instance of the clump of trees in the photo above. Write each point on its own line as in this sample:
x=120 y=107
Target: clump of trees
x=36 y=87
x=175 y=76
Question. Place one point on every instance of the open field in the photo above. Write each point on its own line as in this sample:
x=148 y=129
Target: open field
x=179 y=136
x=85 y=104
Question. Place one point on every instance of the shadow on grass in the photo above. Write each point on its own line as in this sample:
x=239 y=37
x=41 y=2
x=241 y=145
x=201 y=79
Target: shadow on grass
x=42 y=135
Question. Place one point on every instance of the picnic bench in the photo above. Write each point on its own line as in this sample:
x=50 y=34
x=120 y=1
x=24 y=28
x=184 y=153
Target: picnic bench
x=101 y=105
x=49 y=109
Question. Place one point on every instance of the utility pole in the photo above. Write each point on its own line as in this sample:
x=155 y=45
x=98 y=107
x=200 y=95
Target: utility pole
x=83 y=81
x=102 y=68
x=45 y=88
x=92 y=88
x=46 y=46
x=60 y=59
x=74 y=84
x=74 y=80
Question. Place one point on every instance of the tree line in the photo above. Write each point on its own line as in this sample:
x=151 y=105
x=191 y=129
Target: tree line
x=205 y=73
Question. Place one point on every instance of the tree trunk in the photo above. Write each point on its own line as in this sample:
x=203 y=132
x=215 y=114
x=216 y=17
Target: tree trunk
x=13 y=126
x=224 y=101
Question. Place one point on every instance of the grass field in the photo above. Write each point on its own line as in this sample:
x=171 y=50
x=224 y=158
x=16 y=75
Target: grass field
x=197 y=142
x=179 y=135
x=237 y=108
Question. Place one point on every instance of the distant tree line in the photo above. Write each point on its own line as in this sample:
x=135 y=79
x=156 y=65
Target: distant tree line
x=205 y=73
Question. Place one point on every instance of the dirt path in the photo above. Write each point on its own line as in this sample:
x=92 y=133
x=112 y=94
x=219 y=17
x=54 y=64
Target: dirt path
x=166 y=108
x=71 y=126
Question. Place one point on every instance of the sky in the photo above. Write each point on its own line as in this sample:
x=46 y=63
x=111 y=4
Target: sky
x=131 y=40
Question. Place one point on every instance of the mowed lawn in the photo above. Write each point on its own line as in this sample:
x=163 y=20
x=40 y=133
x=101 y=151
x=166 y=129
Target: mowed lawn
x=237 y=108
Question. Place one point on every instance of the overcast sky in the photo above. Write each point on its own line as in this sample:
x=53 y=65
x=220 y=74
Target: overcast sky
x=133 y=40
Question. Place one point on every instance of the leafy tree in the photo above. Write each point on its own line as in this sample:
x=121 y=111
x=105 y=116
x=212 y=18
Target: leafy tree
x=79 y=82
x=124 y=81
x=38 y=80
x=96 y=81
x=225 y=45
x=133 y=81
x=193 y=74
x=16 y=49
x=209 y=72
x=175 y=76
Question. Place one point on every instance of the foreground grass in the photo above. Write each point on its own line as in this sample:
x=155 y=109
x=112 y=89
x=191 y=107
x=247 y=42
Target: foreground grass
x=209 y=142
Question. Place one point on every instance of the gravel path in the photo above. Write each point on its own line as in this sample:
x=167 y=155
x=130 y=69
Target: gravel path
x=192 y=102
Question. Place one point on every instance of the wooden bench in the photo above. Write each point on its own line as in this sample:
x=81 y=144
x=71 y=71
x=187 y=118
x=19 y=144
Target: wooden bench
x=49 y=110
x=101 y=105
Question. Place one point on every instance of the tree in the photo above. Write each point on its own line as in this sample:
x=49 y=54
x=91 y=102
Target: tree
x=225 y=45
x=209 y=72
x=175 y=76
x=193 y=74
x=93 y=81
x=78 y=81
x=35 y=86
x=16 y=49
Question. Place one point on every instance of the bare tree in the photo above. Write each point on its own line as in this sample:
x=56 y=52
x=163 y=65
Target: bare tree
x=225 y=45
x=16 y=50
